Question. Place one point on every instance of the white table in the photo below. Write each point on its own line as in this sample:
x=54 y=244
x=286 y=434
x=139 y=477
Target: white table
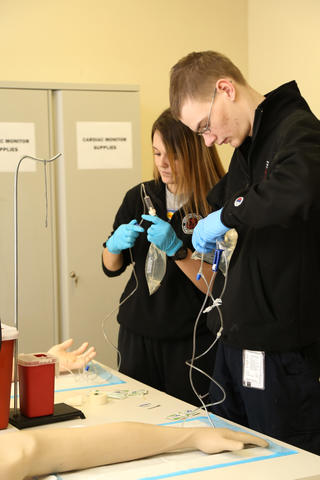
x=155 y=407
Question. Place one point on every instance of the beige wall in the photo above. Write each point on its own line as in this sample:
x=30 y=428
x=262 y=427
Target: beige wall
x=284 y=45
x=137 y=41
x=125 y=41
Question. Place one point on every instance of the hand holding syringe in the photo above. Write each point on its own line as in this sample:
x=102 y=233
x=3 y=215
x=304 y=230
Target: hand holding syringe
x=149 y=205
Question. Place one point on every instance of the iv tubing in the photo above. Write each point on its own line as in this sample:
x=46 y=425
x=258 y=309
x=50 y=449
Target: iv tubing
x=190 y=363
x=107 y=339
x=143 y=194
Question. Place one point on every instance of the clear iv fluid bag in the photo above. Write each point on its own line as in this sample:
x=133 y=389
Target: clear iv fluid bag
x=155 y=267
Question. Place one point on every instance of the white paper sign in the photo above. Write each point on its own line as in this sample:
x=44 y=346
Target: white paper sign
x=104 y=145
x=17 y=140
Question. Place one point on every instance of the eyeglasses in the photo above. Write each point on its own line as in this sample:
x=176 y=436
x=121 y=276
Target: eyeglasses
x=207 y=128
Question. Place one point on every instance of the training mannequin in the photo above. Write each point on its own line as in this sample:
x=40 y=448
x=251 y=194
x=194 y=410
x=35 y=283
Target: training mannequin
x=39 y=452
x=72 y=359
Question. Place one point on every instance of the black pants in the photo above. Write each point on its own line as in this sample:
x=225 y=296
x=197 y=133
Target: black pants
x=287 y=409
x=161 y=363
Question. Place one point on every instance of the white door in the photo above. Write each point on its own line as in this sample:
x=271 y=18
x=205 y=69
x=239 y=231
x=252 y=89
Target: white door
x=98 y=134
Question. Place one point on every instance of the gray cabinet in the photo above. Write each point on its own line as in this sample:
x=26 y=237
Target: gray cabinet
x=62 y=290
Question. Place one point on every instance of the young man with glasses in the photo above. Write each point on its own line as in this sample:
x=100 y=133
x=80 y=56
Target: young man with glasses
x=268 y=359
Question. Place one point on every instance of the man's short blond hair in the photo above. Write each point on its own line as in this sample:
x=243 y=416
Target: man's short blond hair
x=195 y=75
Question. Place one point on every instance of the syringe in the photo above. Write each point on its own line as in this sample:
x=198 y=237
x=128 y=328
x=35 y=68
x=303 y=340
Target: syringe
x=149 y=205
x=147 y=201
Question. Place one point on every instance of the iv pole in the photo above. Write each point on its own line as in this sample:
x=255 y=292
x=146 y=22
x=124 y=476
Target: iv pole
x=16 y=283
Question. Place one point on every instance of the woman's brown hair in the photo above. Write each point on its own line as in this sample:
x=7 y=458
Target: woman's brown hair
x=200 y=166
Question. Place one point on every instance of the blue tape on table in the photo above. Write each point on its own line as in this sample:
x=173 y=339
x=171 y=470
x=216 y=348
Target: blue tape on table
x=105 y=377
x=100 y=372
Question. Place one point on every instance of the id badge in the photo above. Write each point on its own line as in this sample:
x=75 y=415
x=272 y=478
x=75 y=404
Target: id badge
x=253 y=373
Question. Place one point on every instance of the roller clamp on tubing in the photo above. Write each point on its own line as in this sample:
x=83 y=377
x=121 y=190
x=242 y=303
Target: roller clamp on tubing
x=216 y=259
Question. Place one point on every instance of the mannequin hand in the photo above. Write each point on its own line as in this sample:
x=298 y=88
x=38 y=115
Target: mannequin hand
x=162 y=235
x=208 y=231
x=124 y=237
x=210 y=440
x=76 y=358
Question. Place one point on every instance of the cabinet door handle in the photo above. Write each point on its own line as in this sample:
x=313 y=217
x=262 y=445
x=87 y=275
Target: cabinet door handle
x=74 y=276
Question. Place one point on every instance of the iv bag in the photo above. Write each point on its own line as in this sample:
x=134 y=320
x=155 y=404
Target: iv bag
x=227 y=245
x=155 y=267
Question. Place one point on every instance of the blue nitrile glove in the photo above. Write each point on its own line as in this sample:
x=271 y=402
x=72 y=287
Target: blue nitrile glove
x=208 y=231
x=124 y=237
x=162 y=235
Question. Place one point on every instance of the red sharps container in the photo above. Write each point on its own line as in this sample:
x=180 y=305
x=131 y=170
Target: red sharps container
x=9 y=335
x=36 y=384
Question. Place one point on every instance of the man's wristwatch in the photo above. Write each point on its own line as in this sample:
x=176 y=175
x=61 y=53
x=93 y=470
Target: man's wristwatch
x=181 y=253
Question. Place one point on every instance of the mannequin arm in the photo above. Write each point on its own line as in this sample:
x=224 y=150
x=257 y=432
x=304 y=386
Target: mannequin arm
x=39 y=452
x=74 y=359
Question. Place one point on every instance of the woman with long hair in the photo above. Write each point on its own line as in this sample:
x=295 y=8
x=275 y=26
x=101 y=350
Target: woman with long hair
x=156 y=331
